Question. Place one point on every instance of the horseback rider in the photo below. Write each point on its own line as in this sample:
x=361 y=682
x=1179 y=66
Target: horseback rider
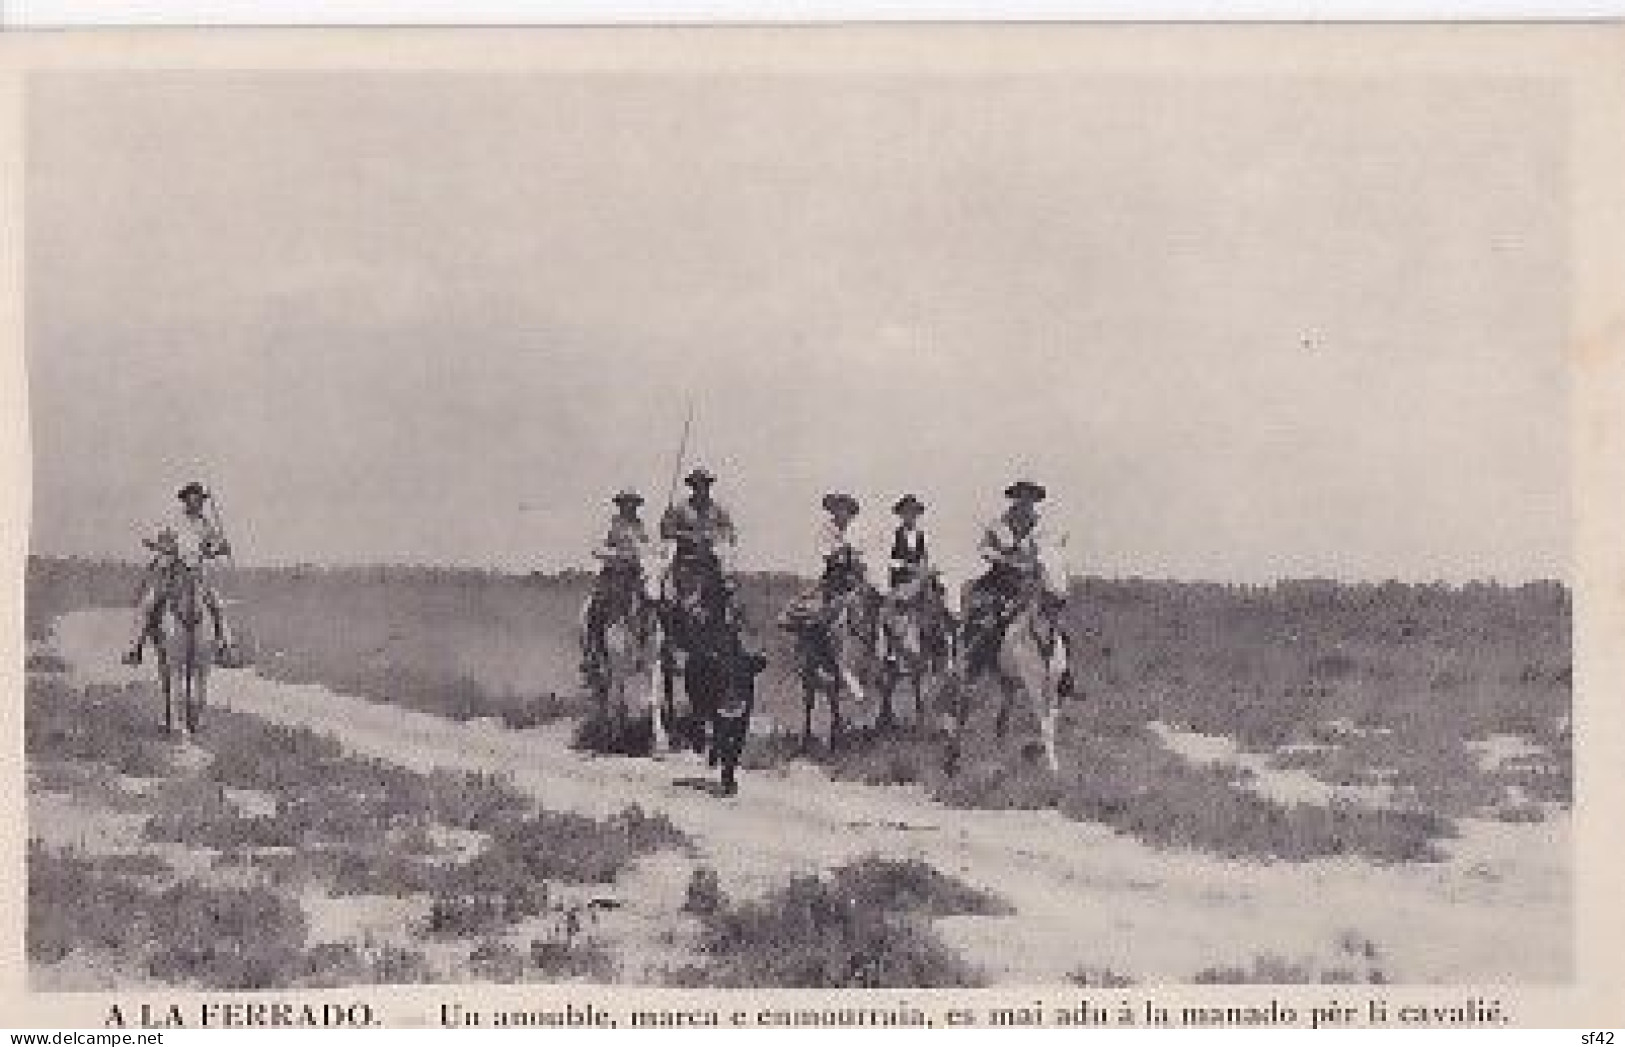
x=912 y=579
x=843 y=569
x=185 y=542
x=622 y=578
x=1018 y=550
x=702 y=532
x=910 y=553
x=839 y=549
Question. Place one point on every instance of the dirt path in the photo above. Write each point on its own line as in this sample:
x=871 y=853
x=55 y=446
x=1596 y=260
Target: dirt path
x=1084 y=896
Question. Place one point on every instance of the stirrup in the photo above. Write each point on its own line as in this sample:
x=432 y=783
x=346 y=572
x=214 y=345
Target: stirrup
x=132 y=656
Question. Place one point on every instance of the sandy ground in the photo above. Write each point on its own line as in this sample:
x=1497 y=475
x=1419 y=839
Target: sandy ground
x=1084 y=896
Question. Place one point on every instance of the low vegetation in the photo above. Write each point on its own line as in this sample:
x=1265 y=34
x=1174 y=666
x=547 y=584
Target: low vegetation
x=284 y=810
x=1128 y=780
x=1357 y=961
x=188 y=933
x=1357 y=685
x=119 y=728
x=862 y=925
x=1349 y=683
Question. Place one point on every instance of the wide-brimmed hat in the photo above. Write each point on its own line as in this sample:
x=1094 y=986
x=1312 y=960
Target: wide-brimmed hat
x=836 y=501
x=698 y=476
x=906 y=503
x=627 y=496
x=1025 y=489
x=193 y=488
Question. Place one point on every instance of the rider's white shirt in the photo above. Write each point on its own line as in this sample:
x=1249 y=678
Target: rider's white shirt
x=193 y=535
x=830 y=539
x=1045 y=546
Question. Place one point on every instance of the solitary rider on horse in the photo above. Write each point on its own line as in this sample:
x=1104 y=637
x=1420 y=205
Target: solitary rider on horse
x=620 y=587
x=183 y=543
x=1018 y=550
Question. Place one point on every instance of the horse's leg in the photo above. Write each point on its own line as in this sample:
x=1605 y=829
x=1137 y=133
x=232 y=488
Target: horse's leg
x=809 y=698
x=659 y=739
x=850 y=680
x=198 y=681
x=1046 y=698
x=166 y=684
x=617 y=661
x=668 y=697
x=889 y=675
x=200 y=696
x=837 y=728
x=1007 y=695
x=1046 y=718
x=952 y=724
x=188 y=670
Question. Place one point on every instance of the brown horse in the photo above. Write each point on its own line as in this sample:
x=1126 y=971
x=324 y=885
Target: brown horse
x=185 y=648
x=833 y=657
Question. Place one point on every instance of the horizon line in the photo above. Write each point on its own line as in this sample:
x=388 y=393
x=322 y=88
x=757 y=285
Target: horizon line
x=587 y=571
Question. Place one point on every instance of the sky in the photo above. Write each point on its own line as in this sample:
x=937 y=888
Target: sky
x=1242 y=329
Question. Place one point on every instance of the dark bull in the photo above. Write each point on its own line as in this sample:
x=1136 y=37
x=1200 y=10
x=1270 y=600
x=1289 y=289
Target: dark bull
x=731 y=678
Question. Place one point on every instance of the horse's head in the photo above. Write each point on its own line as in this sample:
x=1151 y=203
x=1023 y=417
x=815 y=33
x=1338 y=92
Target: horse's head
x=165 y=544
x=700 y=606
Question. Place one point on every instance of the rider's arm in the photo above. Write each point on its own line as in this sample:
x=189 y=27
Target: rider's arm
x=641 y=545
x=828 y=541
x=725 y=533
x=991 y=548
x=672 y=524
x=211 y=541
x=618 y=542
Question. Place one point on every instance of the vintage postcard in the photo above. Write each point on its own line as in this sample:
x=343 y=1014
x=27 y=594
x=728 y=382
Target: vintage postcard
x=838 y=526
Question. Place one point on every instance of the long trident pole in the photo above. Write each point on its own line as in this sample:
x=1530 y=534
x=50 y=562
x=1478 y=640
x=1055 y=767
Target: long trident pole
x=671 y=485
x=656 y=688
x=231 y=562
x=682 y=452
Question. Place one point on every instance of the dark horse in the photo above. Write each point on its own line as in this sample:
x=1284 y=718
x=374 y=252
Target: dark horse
x=701 y=642
x=836 y=627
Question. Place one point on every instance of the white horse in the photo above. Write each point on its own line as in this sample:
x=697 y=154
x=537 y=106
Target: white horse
x=1032 y=657
x=623 y=665
x=917 y=634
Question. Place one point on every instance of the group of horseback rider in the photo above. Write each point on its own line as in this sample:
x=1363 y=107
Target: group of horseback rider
x=1014 y=546
x=703 y=541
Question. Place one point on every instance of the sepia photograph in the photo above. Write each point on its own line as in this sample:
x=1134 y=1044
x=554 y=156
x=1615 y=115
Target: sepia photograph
x=827 y=525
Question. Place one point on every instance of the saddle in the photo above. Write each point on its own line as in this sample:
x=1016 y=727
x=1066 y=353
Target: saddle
x=993 y=602
x=816 y=608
